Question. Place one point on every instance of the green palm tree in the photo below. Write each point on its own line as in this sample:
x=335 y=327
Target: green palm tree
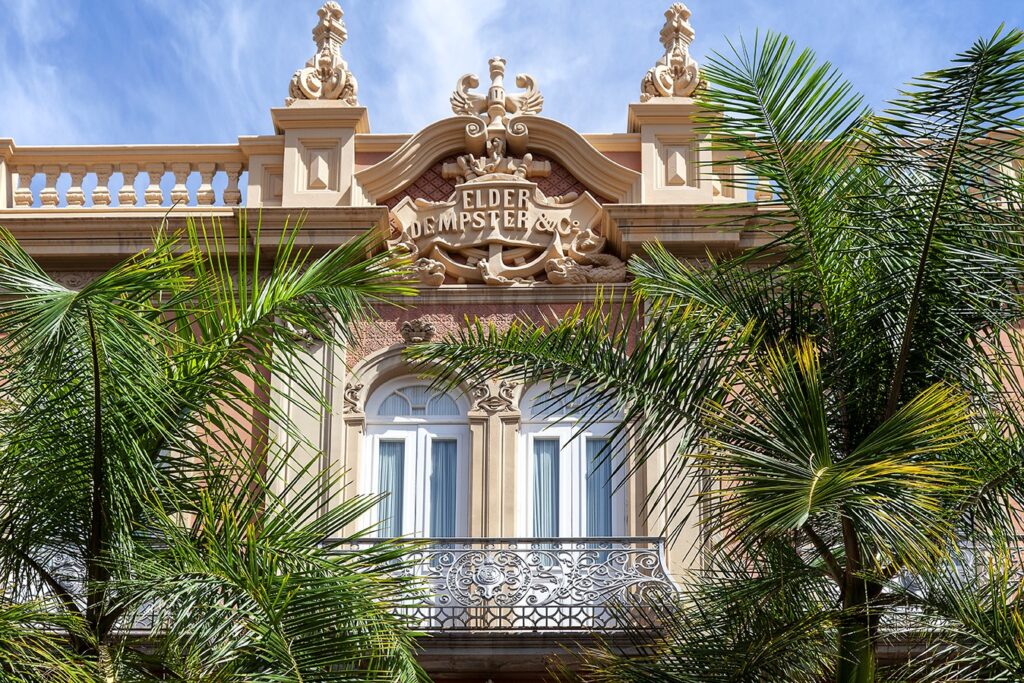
x=136 y=462
x=31 y=645
x=833 y=390
x=970 y=613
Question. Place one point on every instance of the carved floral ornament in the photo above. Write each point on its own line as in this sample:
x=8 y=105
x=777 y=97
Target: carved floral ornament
x=326 y=75
x=498 y=227
x=676 y=74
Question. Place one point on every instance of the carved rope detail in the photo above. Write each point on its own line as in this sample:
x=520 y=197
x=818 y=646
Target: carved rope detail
x=326 y=75
x=676 y=74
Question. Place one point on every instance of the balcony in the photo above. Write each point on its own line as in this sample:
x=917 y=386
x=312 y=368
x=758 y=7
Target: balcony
x=536 y=585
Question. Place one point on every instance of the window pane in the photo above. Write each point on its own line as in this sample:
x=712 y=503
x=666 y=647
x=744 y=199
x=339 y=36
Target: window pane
x=545 y=487
x=442 y=405
x=443 y=477
x=392 y=476
x=599 y=488
x=418 y=397
x=394 y=405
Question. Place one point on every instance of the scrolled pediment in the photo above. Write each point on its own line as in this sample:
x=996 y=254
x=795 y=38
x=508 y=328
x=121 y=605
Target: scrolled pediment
x=547 y=138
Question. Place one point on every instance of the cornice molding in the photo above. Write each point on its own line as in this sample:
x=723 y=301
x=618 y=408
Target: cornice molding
x=319 y=114
x=692 y=230
x=88 y=237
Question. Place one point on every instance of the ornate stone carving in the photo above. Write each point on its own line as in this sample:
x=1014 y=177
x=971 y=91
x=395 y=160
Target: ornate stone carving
x=470 y=167
x=351 y=398
x=500 y=229
x=497 y=227
x=429 y=272
x=75 y=279
x=676 y=74
x=503 y=401
x=496 y=106
x=502 y=113
x=602 y=268
x=416 y=331
x=326 y=75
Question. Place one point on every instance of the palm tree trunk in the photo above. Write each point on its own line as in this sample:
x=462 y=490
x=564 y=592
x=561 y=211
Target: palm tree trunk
x=856 y=630
x=856 y=651
x=96 y=572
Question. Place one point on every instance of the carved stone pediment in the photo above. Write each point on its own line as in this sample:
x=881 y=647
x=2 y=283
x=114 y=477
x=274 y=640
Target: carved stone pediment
x=500 y=229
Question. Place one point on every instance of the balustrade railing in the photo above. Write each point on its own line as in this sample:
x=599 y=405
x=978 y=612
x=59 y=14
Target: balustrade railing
x=126 y=176
x=537 y=584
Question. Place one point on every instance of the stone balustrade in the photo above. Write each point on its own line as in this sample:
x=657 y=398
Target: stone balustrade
x=116 y=176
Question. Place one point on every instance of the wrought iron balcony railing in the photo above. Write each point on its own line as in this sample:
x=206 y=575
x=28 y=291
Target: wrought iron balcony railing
x=504 y=584
x=536 y=584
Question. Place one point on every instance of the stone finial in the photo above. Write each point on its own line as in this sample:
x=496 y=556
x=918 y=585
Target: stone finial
x=676 y=74
x=326 y=75
x=497 y=105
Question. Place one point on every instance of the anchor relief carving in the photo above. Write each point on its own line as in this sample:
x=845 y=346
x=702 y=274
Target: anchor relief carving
x=498 y=227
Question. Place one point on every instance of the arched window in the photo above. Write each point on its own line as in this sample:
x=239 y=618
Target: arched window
x=417 y=454
x=566 y=483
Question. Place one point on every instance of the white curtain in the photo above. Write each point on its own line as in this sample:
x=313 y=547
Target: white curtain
x=392 y=478
x=545 y=487
x=599 y=488
x=443 y=474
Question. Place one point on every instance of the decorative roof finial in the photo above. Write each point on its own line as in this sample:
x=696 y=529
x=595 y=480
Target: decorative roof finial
x=496 y=106
x=676 y=74
x=326 y=75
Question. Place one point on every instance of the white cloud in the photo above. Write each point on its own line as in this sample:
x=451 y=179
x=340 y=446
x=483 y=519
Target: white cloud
x=209 y=70
x=430 y=44
x=40 y=91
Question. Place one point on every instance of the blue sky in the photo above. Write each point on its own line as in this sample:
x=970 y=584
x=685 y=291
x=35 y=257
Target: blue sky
x=189 y=71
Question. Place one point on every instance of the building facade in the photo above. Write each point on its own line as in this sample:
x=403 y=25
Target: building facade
x=506 y=214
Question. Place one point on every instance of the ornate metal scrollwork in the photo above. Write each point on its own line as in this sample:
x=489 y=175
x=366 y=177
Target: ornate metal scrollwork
x=536 y=584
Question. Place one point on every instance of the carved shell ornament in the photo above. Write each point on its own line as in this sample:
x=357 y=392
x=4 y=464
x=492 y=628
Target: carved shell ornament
x=676 y=74
x=326 y=75
x=498 y=227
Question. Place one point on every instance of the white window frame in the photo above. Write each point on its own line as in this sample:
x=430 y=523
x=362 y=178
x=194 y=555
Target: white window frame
x=572 y=471
x=417 y=432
